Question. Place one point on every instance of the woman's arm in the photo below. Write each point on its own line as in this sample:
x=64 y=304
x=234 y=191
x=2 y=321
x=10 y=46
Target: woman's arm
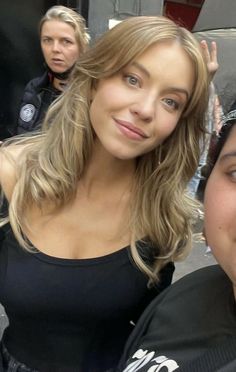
x=9 y=157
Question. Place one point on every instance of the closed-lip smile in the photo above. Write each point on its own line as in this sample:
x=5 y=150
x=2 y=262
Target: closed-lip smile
x=130 y=130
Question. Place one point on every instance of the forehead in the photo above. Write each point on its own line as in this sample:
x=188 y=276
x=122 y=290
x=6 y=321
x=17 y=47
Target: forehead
x=230 y=143
x=166 y=51
x=57 y=27
x=168 y=61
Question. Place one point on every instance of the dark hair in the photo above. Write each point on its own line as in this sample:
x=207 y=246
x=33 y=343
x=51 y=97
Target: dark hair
x=227 y=124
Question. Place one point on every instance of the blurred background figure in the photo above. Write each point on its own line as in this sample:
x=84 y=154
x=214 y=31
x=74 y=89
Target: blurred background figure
x=213 y=118
x=63 y=37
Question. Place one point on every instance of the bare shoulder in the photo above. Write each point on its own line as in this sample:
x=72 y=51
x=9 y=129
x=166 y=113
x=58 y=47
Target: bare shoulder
x=9 y=162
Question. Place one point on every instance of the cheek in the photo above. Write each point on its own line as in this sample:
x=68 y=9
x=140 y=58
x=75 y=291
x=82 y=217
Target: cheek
x=211 y=206
x=220 y=214
x=73 y=55
x=165 y=126
x=45 y=52
x=104 y=100
x=76 y=53
x=212 y=228
x=96 y=111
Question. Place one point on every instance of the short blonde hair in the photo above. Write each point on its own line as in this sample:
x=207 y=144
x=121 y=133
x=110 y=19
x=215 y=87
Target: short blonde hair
x=72 y=18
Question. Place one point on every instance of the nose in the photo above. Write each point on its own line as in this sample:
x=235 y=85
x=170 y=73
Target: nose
x=144 y=107
x=56 y=46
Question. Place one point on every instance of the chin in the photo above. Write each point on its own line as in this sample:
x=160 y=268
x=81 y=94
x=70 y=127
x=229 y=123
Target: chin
x=123 y=156
x=58 y=69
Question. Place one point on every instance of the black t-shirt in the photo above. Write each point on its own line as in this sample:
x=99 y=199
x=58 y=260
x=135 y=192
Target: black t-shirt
x=191 y=317
x=71 y=315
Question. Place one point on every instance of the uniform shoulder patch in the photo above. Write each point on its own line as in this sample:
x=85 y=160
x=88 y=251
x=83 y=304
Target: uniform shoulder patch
x=27 y=112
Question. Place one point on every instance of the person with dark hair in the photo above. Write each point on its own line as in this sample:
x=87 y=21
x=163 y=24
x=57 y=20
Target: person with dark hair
x=63 y=37
x=191 y=326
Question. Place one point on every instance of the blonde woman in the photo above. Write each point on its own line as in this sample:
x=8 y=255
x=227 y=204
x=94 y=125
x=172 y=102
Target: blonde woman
x=97 y=205
x=63 y=38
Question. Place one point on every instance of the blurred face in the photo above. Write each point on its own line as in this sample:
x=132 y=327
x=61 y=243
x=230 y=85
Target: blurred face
x=59 y=46
x=138 y=108
x=220 y=208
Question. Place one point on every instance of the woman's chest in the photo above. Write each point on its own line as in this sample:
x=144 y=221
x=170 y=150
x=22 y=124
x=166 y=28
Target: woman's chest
x=80 y=231
x=54 y=287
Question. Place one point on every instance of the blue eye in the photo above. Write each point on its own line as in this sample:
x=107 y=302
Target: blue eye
x=172 y=103
x=132 y=80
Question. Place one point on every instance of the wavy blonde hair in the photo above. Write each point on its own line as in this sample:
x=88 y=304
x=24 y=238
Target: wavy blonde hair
x=54 y=161
x=72 y=18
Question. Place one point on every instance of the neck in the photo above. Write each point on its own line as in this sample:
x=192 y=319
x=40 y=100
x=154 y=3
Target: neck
x=106 y=172
x=59 y=84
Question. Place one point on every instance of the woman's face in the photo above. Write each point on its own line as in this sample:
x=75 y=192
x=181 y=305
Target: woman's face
x=220 y=208
x=138 y=108
x=59 y=45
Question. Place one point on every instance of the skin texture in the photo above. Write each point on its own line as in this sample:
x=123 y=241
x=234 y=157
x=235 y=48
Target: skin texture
x=220 y=208
x=59 y=46
x=138 y=108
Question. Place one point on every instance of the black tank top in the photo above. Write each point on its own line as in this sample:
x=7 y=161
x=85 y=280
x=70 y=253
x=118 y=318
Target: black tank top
x=71 y=315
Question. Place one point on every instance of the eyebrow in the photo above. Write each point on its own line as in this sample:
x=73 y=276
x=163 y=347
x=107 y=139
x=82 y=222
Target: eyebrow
x=228 y=155
x=178 y=90
x=142 y=68
x=171 y=89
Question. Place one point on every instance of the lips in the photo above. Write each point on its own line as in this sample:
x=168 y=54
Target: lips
x=56 y=60
x=130 y=129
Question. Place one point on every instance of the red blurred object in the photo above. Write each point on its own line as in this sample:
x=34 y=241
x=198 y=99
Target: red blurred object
x=195 y=2
x=184 y=13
